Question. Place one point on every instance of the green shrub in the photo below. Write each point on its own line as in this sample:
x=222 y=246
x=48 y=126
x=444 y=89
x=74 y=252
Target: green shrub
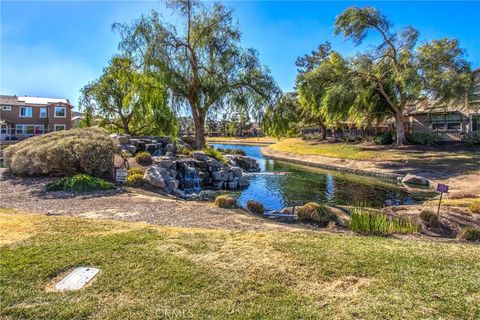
x=423 y=138
x=134 y=180
x=80 y=183
x=136 y=170
x=475 y=206
x=211 y=152
x=472 y=138
x=232 y=151
x=144 y=158
x=225 y=201
x=255 y=207
x=470 y=234
x=429 y=217
x=63 y=153
x=186 y=151
x=316 y=213
x=384 y=138
x=368 y=221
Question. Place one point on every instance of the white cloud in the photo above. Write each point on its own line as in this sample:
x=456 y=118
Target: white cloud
x=42 y=71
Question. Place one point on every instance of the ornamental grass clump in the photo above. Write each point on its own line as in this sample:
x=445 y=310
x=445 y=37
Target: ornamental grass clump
x=255 y=207
x=215 y=154
x=429 y=217
x=63 y=153
x=368 y=221
x=80 y=183
x=135 y=180
x=225 y=201
x=144 y=158
x=475 y=206
x=317 y=214
x=470 y=234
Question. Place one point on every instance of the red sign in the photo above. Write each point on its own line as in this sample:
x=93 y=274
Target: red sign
x=443 y=188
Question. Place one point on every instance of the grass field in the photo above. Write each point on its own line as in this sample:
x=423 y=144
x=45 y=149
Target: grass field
x=149 y=272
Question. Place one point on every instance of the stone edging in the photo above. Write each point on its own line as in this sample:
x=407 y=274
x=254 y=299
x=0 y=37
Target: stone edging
x=393 y=176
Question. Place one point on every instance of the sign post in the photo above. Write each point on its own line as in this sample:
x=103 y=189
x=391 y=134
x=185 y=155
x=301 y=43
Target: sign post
x=121 y=174
x=442 y=188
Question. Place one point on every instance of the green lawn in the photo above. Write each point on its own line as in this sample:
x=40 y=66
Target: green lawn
x=149 y=272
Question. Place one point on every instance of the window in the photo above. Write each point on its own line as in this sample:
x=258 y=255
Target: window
x=60 y=112
x=26 y=112
x=442 y=122
x=43 y=112
x=59 y=127
x=6 y=108
x=19 y=129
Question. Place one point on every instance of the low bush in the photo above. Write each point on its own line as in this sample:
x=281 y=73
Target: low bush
x=255 y=207
x=225 y=201
x=186 y=151
x=136 y=170
x=134 y=179
x=472 y=138
x=232 y=151
x=63 y=153
x=429 y=217
x=470 y=234
x=475 y=206
x=371 y=222
x=316 y=213
x=144 y=158
x=384 y=138
x=422 y=138
x=211 y=152
x=80 y=183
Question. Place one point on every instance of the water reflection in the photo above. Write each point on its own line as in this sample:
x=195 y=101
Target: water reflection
x=303 y=184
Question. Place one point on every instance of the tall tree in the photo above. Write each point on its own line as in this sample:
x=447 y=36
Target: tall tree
x=129 y=100
x=202 y=62
x=284 y=118
x=397 y=73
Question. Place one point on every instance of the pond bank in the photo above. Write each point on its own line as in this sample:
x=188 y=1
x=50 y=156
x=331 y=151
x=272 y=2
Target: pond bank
x=466 y=181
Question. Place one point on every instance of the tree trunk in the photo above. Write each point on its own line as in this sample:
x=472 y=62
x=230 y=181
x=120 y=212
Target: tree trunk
x=400 y=129
x=323 y=130
x=199 y=121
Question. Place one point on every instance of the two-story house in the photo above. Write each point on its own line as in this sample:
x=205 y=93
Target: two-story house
x=23 y=117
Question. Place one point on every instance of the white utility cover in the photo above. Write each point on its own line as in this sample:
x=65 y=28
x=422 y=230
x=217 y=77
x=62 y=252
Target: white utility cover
x=77 y=279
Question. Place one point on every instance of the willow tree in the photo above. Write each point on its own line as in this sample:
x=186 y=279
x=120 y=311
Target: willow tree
x=202 y=62
x=285 y=117
x=129 y=100
x=396 y=72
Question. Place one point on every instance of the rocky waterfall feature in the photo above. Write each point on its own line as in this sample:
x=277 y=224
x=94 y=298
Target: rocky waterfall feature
x=181 y=175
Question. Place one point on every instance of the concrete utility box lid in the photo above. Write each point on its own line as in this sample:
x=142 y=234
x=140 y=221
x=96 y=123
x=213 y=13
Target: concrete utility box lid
x=77 y=278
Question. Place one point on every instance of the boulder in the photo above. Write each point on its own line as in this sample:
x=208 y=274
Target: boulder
x=237 y=172
x=243 y=183
x=151 y=147
x=414 y=179
x=219 y=175
x=171 y=148
x=232 y=185
x=200 y=156
x=121 y=138
x=244 y=162
x=130 y=148
x=153 y=175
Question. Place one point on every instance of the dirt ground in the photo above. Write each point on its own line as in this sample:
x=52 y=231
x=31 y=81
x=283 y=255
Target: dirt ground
x=27 y=194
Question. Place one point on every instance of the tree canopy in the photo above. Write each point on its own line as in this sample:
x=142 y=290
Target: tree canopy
x=129 y=100
x=383 y=81
x=201 y=62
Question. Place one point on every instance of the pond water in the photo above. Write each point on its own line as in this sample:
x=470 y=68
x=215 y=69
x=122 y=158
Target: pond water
x=280 y=184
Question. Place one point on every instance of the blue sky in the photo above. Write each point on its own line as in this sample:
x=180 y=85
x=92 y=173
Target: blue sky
x=54 y=48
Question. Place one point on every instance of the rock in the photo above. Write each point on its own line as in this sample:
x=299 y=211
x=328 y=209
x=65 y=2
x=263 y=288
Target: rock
x=153 y=175
x=243 y=183
x=232 y=185
x=244 y=162
x=121 y=138
x=414 y=179
x=219 y=175
x=200 y=156
x=165 y=162
x=135 y=142
x=218 y=185
x=130 y=148
x=213 y=165
x=152 y=148
x=237 y=172
x=171 y=148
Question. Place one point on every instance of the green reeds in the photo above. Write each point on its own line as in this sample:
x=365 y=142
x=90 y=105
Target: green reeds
x=365 y=220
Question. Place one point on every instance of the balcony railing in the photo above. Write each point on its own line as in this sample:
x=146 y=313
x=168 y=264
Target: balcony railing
x=11 y=134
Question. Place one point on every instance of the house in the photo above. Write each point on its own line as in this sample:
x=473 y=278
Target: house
x=450 y=123
x=77 y=118
x=23 y=117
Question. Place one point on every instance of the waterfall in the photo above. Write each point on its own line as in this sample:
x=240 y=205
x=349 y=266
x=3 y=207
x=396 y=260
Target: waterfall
x=190 y=181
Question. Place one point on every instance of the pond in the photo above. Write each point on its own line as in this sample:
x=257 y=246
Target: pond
x=280 y=184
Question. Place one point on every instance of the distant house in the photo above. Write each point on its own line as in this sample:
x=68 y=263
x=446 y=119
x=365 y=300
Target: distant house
x=77 y=118
x=23 y=117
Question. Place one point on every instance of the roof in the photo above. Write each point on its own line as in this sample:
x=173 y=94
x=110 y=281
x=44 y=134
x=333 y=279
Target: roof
x=423 y=107
x=42 y=101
